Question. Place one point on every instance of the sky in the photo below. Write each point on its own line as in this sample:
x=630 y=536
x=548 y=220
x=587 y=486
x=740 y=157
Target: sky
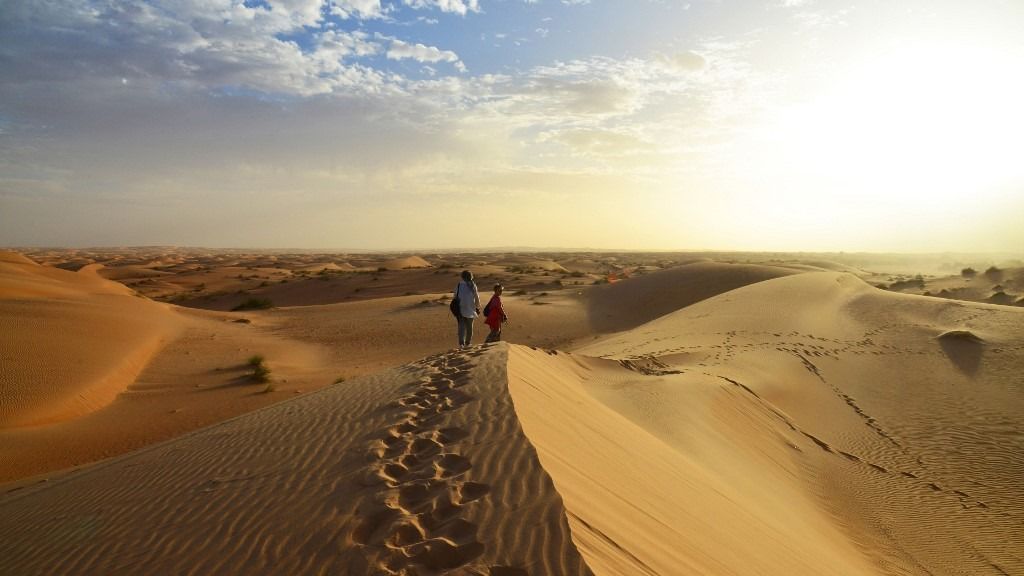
x=815 y=125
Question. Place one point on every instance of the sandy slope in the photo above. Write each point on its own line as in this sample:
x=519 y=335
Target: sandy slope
x=423 y=468
x=89 y=371
x=196 y=379
x=71 y=341
x=671 y=474
x=909 y=440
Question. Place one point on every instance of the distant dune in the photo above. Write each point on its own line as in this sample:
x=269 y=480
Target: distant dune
x=404 y=263
x=73 y=340
x=531 y=262
x=331 y=266
x=131 y=272
x=624 y=305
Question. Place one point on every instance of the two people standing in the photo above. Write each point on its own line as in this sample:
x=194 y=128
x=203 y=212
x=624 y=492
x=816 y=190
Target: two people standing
x=469 y=308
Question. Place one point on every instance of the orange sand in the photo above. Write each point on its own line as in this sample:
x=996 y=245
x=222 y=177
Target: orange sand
x=763 y=421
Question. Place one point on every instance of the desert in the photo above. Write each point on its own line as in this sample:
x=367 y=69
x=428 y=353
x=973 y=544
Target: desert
x=661 y=413
x=511 y=288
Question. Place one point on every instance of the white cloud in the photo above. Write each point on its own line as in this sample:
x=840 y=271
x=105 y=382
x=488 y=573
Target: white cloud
x=456 y=6
x=211 y=45
x=400 y=50
x=356 y=8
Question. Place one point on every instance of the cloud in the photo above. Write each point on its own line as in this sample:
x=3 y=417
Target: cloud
x=199 y=120
x=207 y=45
x=400 y=50
x=599 y=142
x=460 y=7
x=356 y=8
x=684 y=60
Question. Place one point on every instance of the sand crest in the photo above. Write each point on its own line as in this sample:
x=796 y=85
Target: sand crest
x=422 y=469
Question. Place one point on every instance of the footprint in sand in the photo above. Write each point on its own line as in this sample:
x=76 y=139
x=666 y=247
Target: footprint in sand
x=415 y=519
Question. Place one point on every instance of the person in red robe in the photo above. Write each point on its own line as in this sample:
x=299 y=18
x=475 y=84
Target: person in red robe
x=495 y=315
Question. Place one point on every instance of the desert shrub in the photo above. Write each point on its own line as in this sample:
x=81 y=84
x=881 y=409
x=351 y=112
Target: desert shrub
x=254 y=304
x=994 y=274
x=255 y=360
x=339 y=379
x=917 y=282
x=260 y=371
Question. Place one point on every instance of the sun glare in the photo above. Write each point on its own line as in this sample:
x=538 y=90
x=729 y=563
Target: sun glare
x=913 y=124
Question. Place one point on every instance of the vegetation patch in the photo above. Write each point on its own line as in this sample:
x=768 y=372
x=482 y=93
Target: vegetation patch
x=260 y=371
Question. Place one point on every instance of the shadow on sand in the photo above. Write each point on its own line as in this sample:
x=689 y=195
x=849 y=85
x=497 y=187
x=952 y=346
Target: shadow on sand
x=963 y=349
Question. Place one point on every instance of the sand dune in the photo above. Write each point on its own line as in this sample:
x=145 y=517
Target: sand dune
x=761 y=422
x=625 y=305
x=404 y=263
x=131 y=272
x=74 y=341
x=330 y=266
x=531 y=262
x=869 y=403
x=422 y=468
x=90 y=371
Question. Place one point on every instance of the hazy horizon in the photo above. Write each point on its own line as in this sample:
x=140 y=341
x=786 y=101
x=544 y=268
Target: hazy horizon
x=768 y=126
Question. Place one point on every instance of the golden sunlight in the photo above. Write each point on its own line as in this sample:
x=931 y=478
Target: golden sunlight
x=910 y=124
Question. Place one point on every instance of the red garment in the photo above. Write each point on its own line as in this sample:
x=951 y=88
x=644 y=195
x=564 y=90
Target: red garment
x=496 y=314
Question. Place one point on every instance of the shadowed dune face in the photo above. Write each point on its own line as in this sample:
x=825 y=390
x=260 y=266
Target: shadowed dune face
x=625 y=305
x=963 y=348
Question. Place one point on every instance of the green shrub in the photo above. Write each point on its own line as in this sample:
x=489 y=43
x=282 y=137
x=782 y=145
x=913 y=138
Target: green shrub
x=260 y=373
